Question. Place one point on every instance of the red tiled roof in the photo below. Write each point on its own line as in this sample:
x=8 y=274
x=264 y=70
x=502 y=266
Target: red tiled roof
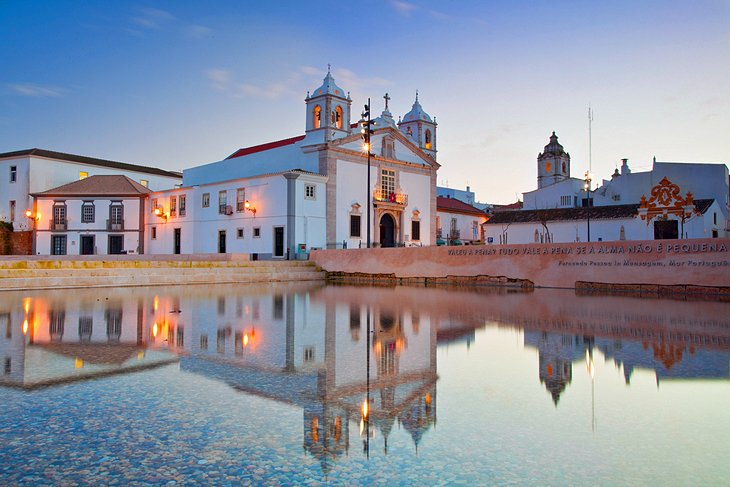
x=457 y=206
x=102 y=185
x=264 y=147
x=512 y=206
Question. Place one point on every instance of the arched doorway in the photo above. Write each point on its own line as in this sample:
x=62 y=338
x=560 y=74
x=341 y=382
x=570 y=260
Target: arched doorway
x=387 y=231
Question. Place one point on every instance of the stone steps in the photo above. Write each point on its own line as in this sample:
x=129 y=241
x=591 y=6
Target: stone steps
x=74 y=274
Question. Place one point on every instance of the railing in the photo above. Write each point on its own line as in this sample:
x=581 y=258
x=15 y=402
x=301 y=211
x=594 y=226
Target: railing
x=454 y=233
x=118 y=225
x=390 y=197
x=58 y=224
x=439 y=233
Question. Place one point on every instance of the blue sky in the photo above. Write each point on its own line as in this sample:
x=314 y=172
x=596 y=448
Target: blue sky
x=176 y=84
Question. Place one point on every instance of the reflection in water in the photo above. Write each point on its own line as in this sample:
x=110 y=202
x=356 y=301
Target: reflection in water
x=358 y=362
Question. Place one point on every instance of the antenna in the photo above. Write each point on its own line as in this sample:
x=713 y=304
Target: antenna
x=590 y=151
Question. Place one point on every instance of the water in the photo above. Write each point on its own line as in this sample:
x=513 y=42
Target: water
x=232 y=385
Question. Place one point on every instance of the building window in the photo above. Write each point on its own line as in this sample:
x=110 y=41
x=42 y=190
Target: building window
x=616 y=197
x=240 y=199
x=387 y=182
x=59 y=215
x=355 y=226
x=204 y=342
x=58 y=244
x=222 y=201
x=182 y=205
x=12 y=210
x=144 y=183
x=714 y=218
x=256 y=232
x=154 y=204
x=239 y=233
x=87 y=212
x=13 y=174
x=206 y=200
x=83 y=175
x=173 y=205
x=475 y=230
x=310 y=192
x=428 y=143
x=317 y=122
x=566 y=200
x=415 y=230
x=153 y=233
x=116 y=213
x=308 y=354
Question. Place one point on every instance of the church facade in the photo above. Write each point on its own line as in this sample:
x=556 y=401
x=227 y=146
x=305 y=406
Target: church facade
x=310 y=191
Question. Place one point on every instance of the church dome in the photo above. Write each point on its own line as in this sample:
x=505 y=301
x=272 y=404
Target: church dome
x=417 y=113
x=329 y=87
x=553 y=147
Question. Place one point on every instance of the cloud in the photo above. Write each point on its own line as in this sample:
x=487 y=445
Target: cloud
x=30 y=89
x=220 y=79
x=402 y=7
x=198 y=31
x=153 y=18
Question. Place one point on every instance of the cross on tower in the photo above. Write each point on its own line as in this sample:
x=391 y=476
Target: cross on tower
x=387 y=98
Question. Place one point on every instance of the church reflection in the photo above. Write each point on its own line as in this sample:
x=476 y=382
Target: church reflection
x=309 y=345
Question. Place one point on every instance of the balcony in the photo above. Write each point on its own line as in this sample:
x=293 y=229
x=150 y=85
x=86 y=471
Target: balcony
x=380 y=196
x=58 y=224
x=115 y=225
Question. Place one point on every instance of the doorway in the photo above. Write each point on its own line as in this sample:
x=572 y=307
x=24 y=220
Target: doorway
x=176 y=241
x=278 y=241
x=666 y=229
x=221 y=241
x=387 y=231
x=87 y=245
x=116 y=244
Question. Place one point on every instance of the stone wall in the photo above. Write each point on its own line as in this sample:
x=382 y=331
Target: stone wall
x=15 y=243
x=695 y=262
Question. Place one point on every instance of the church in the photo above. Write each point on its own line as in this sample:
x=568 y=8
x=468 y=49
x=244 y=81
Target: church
x=674 y=200
x=282 y=198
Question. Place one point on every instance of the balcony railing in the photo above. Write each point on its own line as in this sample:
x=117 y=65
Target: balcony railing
x=454 y=233
x=115 y=225
x=58 y=224
x=390 y=197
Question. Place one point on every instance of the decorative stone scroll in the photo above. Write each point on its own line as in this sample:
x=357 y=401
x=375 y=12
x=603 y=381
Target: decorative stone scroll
x=665 y=200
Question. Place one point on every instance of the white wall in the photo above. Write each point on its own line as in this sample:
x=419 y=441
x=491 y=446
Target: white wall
x=464 y=224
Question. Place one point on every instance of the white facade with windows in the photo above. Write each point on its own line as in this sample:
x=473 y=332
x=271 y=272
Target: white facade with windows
x=99 y=215
x=271 y=216
x=672 y=200
x=36 y=170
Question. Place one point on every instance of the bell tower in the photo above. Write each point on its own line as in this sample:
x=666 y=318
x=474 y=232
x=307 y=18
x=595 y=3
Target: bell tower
x=420 y=129
x=328 y=112
x=553 y=164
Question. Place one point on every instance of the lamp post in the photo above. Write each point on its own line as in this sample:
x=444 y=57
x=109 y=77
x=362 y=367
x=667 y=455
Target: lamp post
x=367 y=131
x=589 y=203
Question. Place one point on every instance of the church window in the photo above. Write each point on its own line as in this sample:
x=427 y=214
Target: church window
x=338 y=117
x=310 y=192
x=387 y=183
x=428 y=143
x=548 y=166
x=317 y=116
x=563 y=167
x=416 y=230
x=355 y=224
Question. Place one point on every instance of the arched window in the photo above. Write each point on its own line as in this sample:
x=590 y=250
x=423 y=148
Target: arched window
x=317 y=116
x=338 y=117
x=548 y=166
x=428 y=139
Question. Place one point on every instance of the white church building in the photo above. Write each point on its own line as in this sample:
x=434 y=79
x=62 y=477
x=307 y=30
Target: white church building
x=672 y=200
x=285 y=197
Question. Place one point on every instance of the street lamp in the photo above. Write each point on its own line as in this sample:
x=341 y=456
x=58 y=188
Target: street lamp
x=367 y=131
x=588 y=201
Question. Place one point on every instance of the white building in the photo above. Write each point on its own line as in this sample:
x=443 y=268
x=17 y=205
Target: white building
x=401 y=195
x=96 y=215
x=273 y=215
x=458 y=222
x=672 y=200
x=37 y=170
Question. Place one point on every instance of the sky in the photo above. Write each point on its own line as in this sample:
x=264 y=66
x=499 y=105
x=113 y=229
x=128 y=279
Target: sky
x=175 y=84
